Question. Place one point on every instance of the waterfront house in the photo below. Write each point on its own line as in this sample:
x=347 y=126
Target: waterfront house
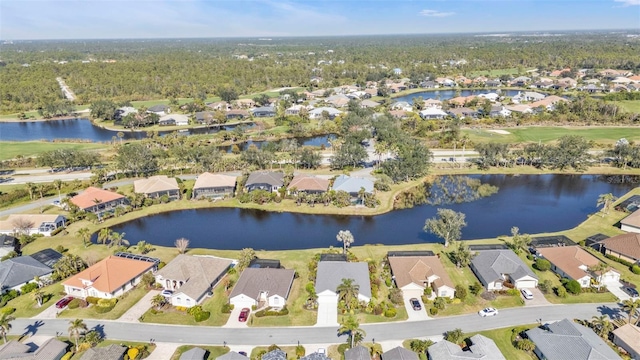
x=157 y=186
x=330 y=274
x=481 y=348
x=47 y=257
x=174 y=120
x=31 y=224
x=575 y=263
x=353 y=186
x=107 y=279
x=51 y=349
x=431 y=113
x=399 y=353
x=265 y=180
x=494 y=268
x=262 y=287
x=369 y=104
x=191 y=278
x=625 y=247
x=565 y=339
x=318 y=113
x=264 y=111
x=499 y=110
x=308 y=184
x=8 y=243
x=433 y=103
x=631 y=223
x=628 y=337
x=237 y=114
x=414 y=271
x=210 y=185
x=160 y=110
x=463 y=113
x=98 y=201
x=19 y=271
x=520 y=81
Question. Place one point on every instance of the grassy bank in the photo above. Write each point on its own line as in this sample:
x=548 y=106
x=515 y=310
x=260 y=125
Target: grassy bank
x=545 y=134
x=11 y=149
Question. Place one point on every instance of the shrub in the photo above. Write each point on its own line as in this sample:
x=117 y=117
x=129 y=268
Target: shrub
x=525 y=345
x=439 y=303
x=27 y=288
x=529 y=257
x=74 y=304
x=513 y=292
x=427 y=291
x=92 y=300
x=7 y=310
x=573 y=287
x=194 y=310
x=561 y=291
x=395 y=295
x=635 y=269
x=273 y=347
x=378 y=310
x=476 y=288
x=67 y=356
x=342 y=348
x=545 y=286
x=433 y=311
x=617 y=259
x=461 y=292
x=201 y=316
x=269 y=312
x=387 y=281
x=542 y=264
x=391 y=312
x=133 y=353
x=300 y=351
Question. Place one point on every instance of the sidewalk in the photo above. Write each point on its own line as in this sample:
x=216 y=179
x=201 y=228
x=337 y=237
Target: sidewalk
x=141 y=307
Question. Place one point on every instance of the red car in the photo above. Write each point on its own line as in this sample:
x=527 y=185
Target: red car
x=64 y=302
x=244 y=314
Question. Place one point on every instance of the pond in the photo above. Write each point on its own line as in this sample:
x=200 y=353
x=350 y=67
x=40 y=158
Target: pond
x=450 y=94
x=534 y=203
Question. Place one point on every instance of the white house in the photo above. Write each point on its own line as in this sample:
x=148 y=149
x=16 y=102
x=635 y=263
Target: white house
x=412 y=274
x=495 y=267
x=576 y=264
x=31 y=224
x=432 y=113
x=262 y=287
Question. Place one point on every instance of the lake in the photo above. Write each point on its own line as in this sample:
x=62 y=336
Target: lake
x=450 y=94
x=534 y=203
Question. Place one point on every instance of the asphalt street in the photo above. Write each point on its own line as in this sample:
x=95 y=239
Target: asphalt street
x=117 y=330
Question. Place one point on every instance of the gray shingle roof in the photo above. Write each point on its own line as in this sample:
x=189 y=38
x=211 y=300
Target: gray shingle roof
x=111 y=352
x=567 y=340
x=198 y=273
x=482 y=348
x=331 y=273
x=232 y=355
x=357 y=353
x=315 y=356
x=352 y=184
x=51 y=349
x=399 y=353
x=20 y=270
x=194 y=354
x=253 y=281
x=12 y=349
x=275 y=355
x=272 y=178
x=490 y=264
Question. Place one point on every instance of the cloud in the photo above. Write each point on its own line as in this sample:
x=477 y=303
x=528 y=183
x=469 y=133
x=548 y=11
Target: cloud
x=628 y=2
x=436 y=13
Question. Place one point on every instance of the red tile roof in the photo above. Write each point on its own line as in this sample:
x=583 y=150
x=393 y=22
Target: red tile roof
x=93 y=196
x=110 y=274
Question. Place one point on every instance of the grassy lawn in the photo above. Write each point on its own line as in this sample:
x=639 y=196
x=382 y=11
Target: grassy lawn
x=629 y=105
x=502 y=338
x=602 y=135
x=298 y=316
x=213 y=351
x=11 y=149
x=106 y=343
x=290 y=350
x=124 y=303
x=27 y=307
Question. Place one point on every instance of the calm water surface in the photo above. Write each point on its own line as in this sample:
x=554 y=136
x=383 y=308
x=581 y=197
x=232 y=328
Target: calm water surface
x=534 y=203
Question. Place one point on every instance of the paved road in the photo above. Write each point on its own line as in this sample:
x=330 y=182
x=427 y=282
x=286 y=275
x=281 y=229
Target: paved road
x=317 y=335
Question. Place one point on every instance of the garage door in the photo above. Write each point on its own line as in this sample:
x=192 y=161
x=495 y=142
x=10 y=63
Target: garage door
x=610 y=276
x=413 y=293
x=327 y=310
x=526 y=284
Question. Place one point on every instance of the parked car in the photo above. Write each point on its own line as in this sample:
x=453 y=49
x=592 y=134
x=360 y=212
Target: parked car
x=415 y=304
x=62 y=303
x=527 y=294
x=488 y=312
x=166 y=293
x=631 y=291
x=244 y=314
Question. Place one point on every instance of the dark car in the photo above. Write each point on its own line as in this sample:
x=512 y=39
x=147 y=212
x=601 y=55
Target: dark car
x=244 y=314
x=415 y=304
x=631 y=291
x=63 y=302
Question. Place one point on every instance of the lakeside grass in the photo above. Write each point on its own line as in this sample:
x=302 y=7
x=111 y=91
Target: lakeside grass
x=546 y=134
x=11 y=149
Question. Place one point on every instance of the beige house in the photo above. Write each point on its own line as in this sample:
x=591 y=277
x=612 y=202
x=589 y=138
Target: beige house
x=625 y=247
x=575 y=263
x=210 y=185
x=631 y=223
x=157 y=186
x=107 y=279
x=308 y=184
x=412 y=274
x=192 y=277
x=98 y=201
x=262 y=287
x=628 y=338
x=31 y=224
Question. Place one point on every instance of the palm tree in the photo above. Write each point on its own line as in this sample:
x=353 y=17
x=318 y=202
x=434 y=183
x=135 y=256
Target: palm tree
x=38 y=296
x=58 y=185
x=606 y=200
x=631 y=306
x=104 y=235
x=85 y=234
x=157 y=301
x=31 y=188
x=351 y=327
x=5 y=325
x=346 y=238
x=602 y=325
x=117 y=240
x=347 y=292
x=76 y=328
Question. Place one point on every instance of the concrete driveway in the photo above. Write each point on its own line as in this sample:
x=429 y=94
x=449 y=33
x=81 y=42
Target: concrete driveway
x=141 y=307
x=327 y=311
x=49 y=313
x=615 y=287
x=538 y=298
x=235 y=313
x=415 y=315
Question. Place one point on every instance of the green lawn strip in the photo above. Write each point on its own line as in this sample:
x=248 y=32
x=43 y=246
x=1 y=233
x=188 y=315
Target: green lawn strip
x=632 y=106
x=533 y=134
x=108 y=342
x=364 y=318
x=212 y=351
x=290 y=350
x=26 y=306
x=11 y=149
x=502 y=338
x=125 y=302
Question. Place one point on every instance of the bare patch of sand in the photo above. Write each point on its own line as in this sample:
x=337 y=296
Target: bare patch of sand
x=501 y=132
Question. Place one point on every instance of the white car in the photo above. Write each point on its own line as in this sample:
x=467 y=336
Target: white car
x=488 y=312
x=527 y=294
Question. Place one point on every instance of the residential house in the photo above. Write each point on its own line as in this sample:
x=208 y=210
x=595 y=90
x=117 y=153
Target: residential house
x=625 y=247
x=566 y=340
x=107 y=279
x=52 y=349
x=369 y=104
x=98 y=201
x=8 y=244
x=592 y=88
x=174 y=120
x=220 y=105
x=493 y=97
x=357 y=353
x=318 y=113
x=210 y=185
x=520 y=81
x=123 y=112
x=330 y=274
x=499 y=110
x=31 y=224
x=628 y=337
x=195 y=353
x=463 y=113
x=413 y=273
x=160 y=110
x=520 y=109
x=157 y=186
x=276 y=354
x=353 y=185
x=429 y=84
x=542 y=84
x=528 y=96
x=402 y=105
x=19 y=271
x=549 y=102
x=433 y=103
x=631 y=223
x=237 y=114
x=232 y=355
x=47 y=257
x=495 y=267
x=338 y=101
x=493 y=83
x=244 y=103
x=575 y=263
x=432 y=113
x=458 y=101
x=396 y=87
x=399 y=353
x=262 y=287
x=294 y=110
x=398 y=114
x=481 y=348
x=315 y=356
x=191 y=278
x=264 y=111
x=111 y=352
x=265 y=180
x=445 y=82
x=308 y=184
x=205 y=117
x=568 y=82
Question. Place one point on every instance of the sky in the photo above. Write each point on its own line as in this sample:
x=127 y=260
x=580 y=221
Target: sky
x=109 y=19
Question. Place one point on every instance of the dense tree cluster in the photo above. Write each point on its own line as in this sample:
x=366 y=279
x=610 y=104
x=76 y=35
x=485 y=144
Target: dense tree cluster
x=68 y=158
